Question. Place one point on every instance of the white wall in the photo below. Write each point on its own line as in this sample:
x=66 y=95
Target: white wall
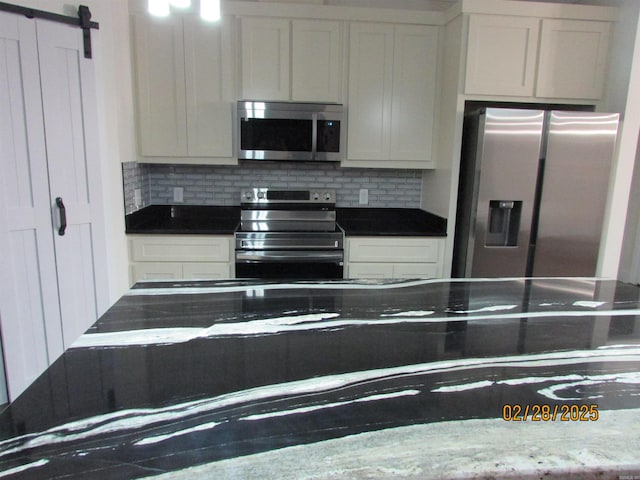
x=116 y=117
x=623 y=95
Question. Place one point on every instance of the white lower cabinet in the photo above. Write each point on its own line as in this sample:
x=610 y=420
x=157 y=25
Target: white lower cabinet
x=181 y=257
x=394 y=257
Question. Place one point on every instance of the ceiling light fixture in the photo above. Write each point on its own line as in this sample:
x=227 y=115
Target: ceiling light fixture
x=158 y=8
x=180 y=3
x=209 y=9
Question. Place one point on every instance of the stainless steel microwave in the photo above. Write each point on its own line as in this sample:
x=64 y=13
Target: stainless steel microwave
x=290 y=131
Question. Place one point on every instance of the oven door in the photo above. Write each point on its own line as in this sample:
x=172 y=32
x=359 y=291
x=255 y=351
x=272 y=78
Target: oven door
x=290 y=264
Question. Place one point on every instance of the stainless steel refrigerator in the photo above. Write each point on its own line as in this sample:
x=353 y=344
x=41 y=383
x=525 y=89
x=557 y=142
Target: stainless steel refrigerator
x=532 y=194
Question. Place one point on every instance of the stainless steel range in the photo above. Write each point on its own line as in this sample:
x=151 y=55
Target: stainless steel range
x=289 y=234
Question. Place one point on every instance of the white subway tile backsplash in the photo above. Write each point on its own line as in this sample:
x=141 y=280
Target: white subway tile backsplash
x=216 y=185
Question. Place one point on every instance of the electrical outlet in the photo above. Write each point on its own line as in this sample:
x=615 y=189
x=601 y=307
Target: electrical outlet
x=178 y=194
x=364 y=196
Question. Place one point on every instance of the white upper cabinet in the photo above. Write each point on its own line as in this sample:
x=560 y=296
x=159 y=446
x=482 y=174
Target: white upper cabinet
x=536 y=57
x=316 y=61
x=392 y=91
x=414 y=88
x=210 y=89
x=573 y=59
x=184 y=88
x=501 y=55
x=265 y=59
x=299 y=60
x=370 y=89
x=160 y=86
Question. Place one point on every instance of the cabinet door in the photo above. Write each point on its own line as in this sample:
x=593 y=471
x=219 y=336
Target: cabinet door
x=316 y=65
x=370 y=91
x=501 y=55
x=160 y=86
x=265 y=59
x=573 y=59
x=415 y=61
x=209 y=87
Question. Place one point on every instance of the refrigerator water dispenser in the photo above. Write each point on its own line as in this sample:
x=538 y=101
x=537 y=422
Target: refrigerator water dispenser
x=504 y=223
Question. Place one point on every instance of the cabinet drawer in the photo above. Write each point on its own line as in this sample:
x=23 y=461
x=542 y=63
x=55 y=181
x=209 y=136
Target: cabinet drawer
x=394 y=249
x=206 y=271
x=416 y=270
x=155 y=271
x=175 y=248
x=370 y=270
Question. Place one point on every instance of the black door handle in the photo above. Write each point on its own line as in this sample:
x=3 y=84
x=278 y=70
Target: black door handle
x=63 y=216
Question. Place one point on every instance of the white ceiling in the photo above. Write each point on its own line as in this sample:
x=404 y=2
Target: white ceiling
x=423 y=4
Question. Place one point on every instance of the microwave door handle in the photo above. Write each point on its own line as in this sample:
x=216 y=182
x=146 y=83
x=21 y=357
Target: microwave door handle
x=314 y=135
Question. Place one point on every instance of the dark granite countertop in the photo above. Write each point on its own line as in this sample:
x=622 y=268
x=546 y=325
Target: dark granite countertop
x=390 y=221
x=221 y=220
x=343 y=379
x=184 y=219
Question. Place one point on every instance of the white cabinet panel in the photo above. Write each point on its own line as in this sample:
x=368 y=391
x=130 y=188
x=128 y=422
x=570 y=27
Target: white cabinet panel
x=160 y=85
x=265 y=59
x=416 y=270
x=181 y=257
x=209 y=88
x=206 y=271
x=179 y=248
x=501 y=55
x=394 y=249
x=299 y=60
x=156 y=271
x=370 y=91
x=573 y=59
x=536 y=57
x=394 y=257
x=141 y=271
x=392 y=92
x=414 y=87
x=184 y=69
x=316 y=61
x=370 y=270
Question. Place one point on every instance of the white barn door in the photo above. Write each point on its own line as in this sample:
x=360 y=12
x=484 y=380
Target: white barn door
x=70 y=124
x=51 y=287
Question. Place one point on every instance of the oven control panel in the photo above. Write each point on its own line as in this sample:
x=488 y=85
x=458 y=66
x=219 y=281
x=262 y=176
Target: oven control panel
x=269 y=195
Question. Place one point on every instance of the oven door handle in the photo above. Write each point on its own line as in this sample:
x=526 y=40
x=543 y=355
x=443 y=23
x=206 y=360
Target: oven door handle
x=249 y=244
x=284 y=256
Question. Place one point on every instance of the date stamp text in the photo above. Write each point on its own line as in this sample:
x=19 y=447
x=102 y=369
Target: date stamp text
x=549 y=413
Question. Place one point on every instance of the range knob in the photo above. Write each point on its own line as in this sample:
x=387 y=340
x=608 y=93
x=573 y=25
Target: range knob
x=261 y=194
x=315 y=196
x=327 y=196
x=248 y=195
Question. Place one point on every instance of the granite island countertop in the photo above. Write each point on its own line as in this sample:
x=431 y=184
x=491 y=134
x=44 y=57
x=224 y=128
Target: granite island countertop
x=224 y=220
x=350 y=379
